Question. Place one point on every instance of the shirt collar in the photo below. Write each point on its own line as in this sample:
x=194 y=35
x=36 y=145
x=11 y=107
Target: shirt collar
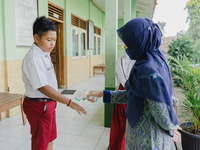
x=35 y=47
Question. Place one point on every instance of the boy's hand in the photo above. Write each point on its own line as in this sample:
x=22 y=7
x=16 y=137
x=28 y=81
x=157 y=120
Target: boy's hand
x=78 y=108
x=95 y=94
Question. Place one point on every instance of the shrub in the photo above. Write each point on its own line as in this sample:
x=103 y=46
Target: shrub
x=190 y=77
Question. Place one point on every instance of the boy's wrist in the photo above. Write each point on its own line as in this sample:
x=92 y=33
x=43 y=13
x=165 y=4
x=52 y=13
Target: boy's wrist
x=69 y=102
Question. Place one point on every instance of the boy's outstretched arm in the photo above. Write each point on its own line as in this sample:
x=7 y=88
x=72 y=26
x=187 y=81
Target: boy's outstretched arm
x=55 y=95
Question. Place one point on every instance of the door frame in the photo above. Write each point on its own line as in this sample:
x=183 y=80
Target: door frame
x=60 y=42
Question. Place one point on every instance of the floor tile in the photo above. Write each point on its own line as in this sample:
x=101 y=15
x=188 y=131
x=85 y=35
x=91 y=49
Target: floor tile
x=60 y=127
x=60 y=147
x=64 y=120
x=22 y=134
x=79 y=123
x=69 y=114
x=25 y=146
x=7 y=131
x=98 y=117
x=89 y=116
x=78 y=148
x=2 y=138
x=106 y=134
x=73 y=130
x=86 y=142
x=11 y=143
x=92 y=132
x=65 y=139
x=102 y=144
x=96 y=124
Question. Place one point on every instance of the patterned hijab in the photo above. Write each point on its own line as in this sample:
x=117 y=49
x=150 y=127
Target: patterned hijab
x=150 y=76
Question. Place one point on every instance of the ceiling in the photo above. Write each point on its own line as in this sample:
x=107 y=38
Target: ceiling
x=145 y=8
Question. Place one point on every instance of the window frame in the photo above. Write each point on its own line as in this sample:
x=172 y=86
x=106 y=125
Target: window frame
x=80 y=30
x=97 y=36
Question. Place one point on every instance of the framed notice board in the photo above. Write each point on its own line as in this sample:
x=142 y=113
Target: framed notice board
x=90 y=33
x=26 y=11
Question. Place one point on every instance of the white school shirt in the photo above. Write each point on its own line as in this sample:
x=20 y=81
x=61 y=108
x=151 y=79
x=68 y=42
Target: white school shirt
x=122 y=68
x=37 y=71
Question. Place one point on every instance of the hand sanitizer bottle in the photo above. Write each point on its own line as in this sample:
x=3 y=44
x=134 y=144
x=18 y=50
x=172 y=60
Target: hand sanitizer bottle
x=94 y=98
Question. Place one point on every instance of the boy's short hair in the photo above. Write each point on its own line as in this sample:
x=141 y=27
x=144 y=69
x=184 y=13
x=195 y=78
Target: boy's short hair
x=42 y=25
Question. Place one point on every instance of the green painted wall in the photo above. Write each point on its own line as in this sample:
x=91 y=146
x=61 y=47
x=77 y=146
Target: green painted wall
x=80 y=8
x=60 y=3
x=120 y=23
x=9 y=29
x=120 y=46
x=98 y=17
x=95 y=15
x=103 y=33
x=68 y=28
x=1 y=31
x=133 y=9
x=43 y=8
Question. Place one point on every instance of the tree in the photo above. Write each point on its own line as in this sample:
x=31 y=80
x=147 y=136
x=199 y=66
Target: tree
x=161 y=26
x=193 y=9
x=181 y=47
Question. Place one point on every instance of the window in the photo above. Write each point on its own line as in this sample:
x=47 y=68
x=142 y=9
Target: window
x=79 y=29
x=97 y=45
x=74 y=42
x=78 y=42
x=83 y=45
x=97 y=41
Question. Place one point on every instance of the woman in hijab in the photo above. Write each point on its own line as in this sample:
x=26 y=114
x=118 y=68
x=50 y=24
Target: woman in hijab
x=151 y=119
x=123 y=67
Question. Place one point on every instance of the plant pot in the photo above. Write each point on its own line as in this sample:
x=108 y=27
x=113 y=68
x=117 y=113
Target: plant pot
x=189 y=141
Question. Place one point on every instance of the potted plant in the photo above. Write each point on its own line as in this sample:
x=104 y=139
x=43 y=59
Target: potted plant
x=190 y=107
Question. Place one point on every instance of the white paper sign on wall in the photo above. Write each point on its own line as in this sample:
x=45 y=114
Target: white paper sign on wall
x=25 y=14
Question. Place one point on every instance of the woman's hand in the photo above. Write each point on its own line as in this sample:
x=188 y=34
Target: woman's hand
x=95 y=94
x=177 y=136
x=78 y=108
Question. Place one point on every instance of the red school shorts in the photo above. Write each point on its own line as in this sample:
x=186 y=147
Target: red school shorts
x=42 y=123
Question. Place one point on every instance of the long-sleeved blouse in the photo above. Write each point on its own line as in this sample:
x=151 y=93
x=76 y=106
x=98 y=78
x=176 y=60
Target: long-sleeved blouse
x=154 y=129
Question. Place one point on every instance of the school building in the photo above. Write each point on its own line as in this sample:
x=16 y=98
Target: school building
x=86 y=37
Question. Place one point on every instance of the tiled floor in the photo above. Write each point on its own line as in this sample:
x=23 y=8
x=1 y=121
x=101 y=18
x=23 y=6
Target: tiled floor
x=75 y=132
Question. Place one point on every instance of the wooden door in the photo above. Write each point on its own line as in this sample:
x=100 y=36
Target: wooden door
x=55 y=57
x=56 y=14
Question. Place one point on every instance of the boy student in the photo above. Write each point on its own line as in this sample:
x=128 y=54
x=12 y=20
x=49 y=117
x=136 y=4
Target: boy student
x=41 y=90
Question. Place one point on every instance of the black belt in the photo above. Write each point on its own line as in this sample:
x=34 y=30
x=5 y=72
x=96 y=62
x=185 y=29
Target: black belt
x=39 y=99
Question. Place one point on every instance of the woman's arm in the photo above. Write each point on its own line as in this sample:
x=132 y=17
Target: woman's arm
x=160 y=113
x=118 y=96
